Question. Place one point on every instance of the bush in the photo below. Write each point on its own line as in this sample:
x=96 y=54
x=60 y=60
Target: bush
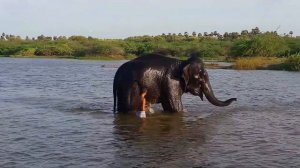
x=292 y=63
x=27 y=52
x=10 y=49
x=56 y=50
x=294 y=45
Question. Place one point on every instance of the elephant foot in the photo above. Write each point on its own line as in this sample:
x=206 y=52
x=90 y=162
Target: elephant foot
x=141 y=114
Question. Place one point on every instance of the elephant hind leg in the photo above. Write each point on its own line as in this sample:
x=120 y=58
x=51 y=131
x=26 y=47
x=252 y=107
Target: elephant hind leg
x=129 y=98
x=134 y=99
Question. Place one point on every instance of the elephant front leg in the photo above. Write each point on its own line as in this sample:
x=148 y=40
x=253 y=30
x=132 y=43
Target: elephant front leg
x=172 y=104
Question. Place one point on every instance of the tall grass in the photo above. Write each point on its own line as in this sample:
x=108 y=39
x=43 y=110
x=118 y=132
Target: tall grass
x=253 y=63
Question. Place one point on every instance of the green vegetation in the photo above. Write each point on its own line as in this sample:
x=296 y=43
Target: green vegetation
x=242 y=47
x=292 y=63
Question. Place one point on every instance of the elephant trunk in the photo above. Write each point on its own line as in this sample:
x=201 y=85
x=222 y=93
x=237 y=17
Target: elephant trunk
x=209 y=94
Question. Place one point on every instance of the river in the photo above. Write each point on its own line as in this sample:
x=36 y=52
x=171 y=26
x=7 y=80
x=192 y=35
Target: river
x=58 y=113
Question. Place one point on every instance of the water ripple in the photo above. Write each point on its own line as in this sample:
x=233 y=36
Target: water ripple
x=58 y=113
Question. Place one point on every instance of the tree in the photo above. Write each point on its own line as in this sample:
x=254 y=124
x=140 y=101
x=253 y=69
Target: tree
x=291 y=33
x=41 y=37
x=186 y=34
x=199 y=35
x=255 y=31
x=215 y=33
x=234 y=35
x=194 y=34
x=226 y=35
x=244 y=32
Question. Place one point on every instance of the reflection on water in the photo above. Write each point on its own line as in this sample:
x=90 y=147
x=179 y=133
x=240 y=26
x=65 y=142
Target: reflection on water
x=157 y=139
x=58 y=113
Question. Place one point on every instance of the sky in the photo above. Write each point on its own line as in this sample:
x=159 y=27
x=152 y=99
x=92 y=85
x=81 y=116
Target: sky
x=124 y=18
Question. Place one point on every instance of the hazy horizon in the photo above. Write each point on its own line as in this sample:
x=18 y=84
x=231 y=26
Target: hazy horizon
x=125 y=18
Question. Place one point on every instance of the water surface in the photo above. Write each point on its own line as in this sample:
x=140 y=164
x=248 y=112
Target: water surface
x=58 y=113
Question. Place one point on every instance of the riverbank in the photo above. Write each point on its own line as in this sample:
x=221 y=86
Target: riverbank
x=291 y=63
x=99 y=58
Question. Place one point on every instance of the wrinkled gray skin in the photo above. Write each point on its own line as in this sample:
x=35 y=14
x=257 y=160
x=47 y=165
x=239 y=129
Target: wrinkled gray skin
x=165 y=79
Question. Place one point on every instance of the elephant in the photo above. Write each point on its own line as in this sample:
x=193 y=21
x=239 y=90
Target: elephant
x=166 y=80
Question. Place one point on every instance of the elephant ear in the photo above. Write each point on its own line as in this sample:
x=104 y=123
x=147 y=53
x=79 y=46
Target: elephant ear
x=186 y=74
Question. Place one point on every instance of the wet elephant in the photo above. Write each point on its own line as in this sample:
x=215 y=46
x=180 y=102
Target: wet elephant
x=166 y=80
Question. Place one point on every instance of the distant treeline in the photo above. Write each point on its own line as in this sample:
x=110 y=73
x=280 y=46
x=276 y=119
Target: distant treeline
x=234 y=44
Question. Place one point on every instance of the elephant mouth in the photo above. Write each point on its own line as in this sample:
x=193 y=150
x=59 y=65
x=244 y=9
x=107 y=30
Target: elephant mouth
x=195 y=92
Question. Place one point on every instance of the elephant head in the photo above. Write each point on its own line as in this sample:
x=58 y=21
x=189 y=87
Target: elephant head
x=196 y=81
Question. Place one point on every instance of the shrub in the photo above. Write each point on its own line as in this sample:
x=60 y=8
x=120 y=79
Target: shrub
x=292 y=63
x=27 y=52
x=55 y=50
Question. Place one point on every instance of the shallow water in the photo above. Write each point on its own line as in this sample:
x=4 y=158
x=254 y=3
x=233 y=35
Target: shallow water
x=58 y=113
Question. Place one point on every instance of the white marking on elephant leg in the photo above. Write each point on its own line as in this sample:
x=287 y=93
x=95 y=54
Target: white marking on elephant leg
x=141 y=114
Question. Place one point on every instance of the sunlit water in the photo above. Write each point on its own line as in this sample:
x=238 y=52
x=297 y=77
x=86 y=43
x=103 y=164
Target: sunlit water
x=58 y=113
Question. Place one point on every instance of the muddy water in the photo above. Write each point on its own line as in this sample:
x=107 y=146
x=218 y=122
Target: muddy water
x=58 y=113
